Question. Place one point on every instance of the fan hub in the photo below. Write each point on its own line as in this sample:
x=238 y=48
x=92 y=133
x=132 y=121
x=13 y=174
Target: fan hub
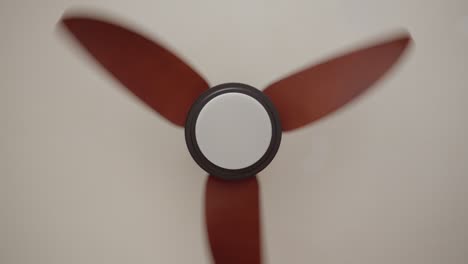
x=233 y=131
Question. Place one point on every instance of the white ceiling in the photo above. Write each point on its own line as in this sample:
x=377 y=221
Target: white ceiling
x=90 y=175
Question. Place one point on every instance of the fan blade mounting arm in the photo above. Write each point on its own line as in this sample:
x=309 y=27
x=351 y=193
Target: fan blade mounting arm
x=148 y=70
x=319 y=90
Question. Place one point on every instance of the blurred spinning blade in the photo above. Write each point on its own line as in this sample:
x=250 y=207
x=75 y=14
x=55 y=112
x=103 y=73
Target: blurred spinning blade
x=319 y=90
x=232 y=212
x=148 y=70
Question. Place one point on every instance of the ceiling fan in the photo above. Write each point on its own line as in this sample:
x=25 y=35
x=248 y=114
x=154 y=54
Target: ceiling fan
x=232 y=130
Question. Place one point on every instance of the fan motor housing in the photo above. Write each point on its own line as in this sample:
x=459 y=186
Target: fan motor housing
x=233 y=131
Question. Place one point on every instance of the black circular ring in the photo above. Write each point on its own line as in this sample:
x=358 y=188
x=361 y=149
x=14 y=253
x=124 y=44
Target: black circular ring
x=199 y=157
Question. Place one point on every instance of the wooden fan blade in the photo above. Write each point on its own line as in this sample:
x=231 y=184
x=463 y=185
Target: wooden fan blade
x=151 y=72
x=319 y=90
x=232 y=211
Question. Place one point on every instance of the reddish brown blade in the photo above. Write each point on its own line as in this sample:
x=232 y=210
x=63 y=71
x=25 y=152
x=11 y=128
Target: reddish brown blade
x=317 y=91
x=233 y=220
x=151 y=72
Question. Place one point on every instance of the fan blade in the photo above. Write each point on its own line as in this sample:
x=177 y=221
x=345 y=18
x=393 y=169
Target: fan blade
x=317 y=91
x=232 y=214
x=151 y=72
